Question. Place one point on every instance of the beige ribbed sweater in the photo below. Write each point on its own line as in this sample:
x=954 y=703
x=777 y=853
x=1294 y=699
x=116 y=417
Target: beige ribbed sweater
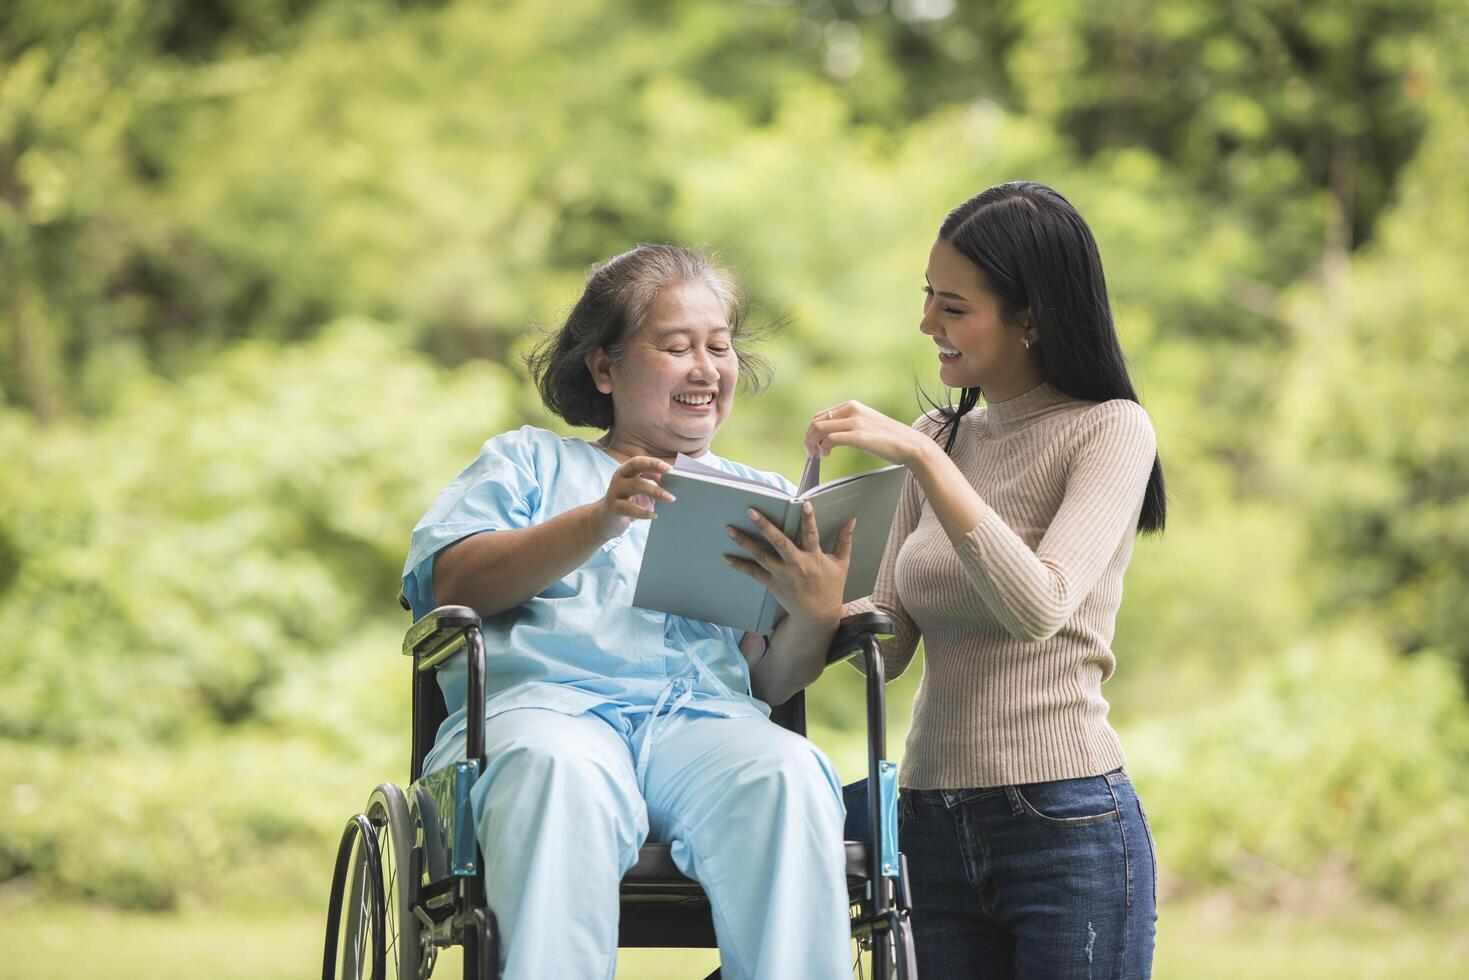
x=1017 y=620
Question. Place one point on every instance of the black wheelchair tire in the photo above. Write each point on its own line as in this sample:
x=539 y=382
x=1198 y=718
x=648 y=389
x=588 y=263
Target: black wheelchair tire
x=387 y=810
x=392 y=847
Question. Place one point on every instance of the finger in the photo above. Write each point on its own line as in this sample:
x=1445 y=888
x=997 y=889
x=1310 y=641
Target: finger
x=636 y=506
x=842 y=550
x=834 y=439
x=815 y=431
x=812 y=439
x=648 y=488
x=748 y=568
x=825 y=427
x=752 y=547
x=638 y=464
x=782 y=544
x=810 y=540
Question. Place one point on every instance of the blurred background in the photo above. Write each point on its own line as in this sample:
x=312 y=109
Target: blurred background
x=267 y=268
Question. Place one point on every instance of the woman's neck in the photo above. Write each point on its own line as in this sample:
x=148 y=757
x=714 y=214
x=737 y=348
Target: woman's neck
x=1013 y=386
x=624 y=446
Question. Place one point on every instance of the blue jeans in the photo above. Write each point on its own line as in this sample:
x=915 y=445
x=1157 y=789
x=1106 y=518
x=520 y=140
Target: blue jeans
x=1044 y=880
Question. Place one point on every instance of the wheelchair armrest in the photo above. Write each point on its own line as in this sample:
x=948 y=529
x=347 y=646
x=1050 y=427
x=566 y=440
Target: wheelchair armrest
x=432 y=640
x=848 y=639
x=438 y=634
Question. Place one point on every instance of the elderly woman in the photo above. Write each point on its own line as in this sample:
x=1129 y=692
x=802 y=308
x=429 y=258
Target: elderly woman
x=609 y=724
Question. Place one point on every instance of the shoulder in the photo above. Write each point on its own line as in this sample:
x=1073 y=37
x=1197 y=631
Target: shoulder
x=525 y=456
x=1119 y=421
x=526 y=444
x=527 y=438
x=931 y=423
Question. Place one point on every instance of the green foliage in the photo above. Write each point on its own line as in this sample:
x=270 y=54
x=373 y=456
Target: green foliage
x=198 y=592
x=248 y=813
x=240 y=241
x=169 y=564
x=1336 y=762
x=1379 y=401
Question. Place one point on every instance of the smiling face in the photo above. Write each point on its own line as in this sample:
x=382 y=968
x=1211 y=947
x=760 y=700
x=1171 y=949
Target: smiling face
x=674 y=384
x=977 y=348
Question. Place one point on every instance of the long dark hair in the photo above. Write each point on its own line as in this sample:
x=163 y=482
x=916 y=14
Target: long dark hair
x=1038 y=255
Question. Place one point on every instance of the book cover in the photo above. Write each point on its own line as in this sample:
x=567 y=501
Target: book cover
x=683 y=571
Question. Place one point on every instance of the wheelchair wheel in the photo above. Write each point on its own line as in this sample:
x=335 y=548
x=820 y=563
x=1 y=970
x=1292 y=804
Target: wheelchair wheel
x=386 y=857
x=887 y=955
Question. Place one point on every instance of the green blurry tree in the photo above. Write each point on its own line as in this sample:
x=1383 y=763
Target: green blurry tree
x=240 y=241
x=1377 y=442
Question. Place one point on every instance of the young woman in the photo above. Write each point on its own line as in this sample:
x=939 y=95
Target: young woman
x=608 y=724
x=1028 y=849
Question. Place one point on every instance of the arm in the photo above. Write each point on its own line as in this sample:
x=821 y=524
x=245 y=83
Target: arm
x=795 y=658
x=897 y=650
x=498 y=570
x=1034 y=593
x=1031 y=593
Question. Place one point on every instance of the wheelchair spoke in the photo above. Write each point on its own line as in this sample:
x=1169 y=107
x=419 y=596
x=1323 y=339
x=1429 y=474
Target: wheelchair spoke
x=391 y=928
x=390 y=893
x=364 y=920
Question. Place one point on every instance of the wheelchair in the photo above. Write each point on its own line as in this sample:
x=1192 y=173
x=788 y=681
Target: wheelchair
x=407 y=879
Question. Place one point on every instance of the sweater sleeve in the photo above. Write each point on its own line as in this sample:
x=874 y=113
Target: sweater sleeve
x=898 y=649
x=1034 y=593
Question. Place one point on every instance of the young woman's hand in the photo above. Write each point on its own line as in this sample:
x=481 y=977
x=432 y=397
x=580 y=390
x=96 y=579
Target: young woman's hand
x=630 y=495
x=854 y=424
x=807 y=581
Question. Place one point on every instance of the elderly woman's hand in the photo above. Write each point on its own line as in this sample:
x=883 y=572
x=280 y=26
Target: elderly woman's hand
x=630 y=495
x=807 y=581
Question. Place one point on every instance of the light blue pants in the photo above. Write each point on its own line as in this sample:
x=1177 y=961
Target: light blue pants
x=751 y=811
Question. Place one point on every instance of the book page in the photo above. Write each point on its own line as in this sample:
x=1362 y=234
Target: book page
x=687 y=464
x=843 y=480
x=810 y=476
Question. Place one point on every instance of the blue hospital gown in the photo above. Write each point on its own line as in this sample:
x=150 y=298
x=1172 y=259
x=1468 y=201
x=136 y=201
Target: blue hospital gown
x=749 y=810
x=580 y=645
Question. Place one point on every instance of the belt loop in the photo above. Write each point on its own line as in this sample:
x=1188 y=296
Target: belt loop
x=1012 y=795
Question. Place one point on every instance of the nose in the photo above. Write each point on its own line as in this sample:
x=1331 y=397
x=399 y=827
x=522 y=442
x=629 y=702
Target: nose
x=703 y=367
x=926 y=324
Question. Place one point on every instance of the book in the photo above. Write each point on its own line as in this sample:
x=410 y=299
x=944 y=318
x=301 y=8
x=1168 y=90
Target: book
x=683 y=570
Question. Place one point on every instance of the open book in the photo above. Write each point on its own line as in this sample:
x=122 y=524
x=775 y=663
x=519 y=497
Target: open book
x=683 y=570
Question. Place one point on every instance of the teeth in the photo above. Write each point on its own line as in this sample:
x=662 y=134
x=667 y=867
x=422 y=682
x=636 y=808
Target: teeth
x=948 y=351
x=694 y=399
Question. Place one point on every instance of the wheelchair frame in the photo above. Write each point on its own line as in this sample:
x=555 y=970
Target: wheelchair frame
x=432 y=893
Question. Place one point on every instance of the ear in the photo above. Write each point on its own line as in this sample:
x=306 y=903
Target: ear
x=1028 y=328
x=599 y=366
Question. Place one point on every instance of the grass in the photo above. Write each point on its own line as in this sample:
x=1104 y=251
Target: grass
x=1198 y=940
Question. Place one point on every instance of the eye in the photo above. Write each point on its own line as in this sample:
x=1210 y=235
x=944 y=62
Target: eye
x=676 y=350
x=719 y=349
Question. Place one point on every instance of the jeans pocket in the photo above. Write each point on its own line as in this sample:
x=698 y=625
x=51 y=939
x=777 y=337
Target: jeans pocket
x=1067 y=802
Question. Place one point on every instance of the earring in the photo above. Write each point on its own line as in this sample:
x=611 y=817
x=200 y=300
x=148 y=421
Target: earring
x=1026 y=342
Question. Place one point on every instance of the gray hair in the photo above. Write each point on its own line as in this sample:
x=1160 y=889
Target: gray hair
x=612 y=309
